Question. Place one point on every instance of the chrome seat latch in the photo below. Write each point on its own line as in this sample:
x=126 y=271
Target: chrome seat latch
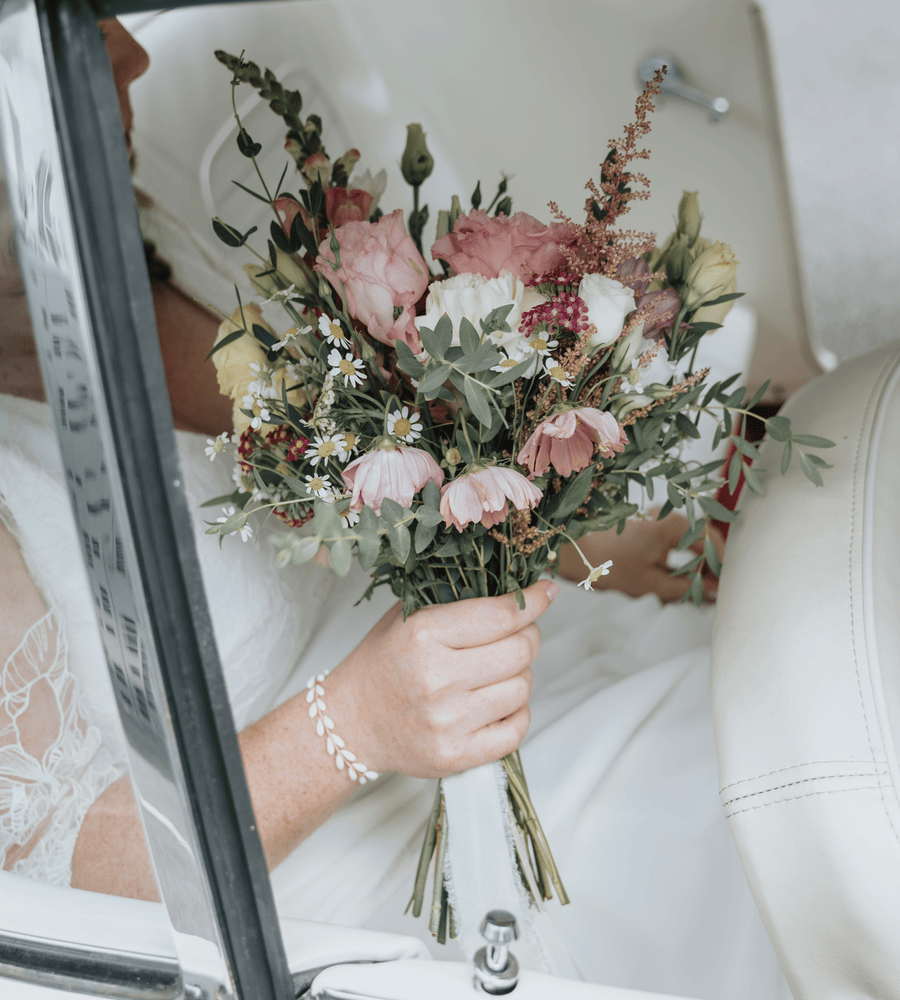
x=496 y=969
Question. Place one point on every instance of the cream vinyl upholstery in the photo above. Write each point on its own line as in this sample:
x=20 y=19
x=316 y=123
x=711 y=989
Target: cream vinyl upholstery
x=806 y=689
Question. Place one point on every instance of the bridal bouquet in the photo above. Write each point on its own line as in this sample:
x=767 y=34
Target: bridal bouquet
x=450 y=418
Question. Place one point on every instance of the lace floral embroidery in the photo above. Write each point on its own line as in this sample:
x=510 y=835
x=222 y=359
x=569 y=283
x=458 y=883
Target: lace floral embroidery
x=52 y=765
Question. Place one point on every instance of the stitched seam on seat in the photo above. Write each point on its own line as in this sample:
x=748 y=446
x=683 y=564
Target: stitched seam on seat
x=806 y=795
x=791 y=767
x=875 y=391
x=802 y=781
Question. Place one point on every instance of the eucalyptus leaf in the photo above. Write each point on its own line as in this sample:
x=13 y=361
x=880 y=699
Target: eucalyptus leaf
x=431 y=494
x=811 y=441
x=571 y=496
x=341 y=556
x=399 y=537
x=751 y=477
x=478 y=403
x=392 y=512
x=424 y=534
x=778 y=428
x=469 y=338
x=303 y=549
x=432 y=343
x=511 y=374
x=718 y=512
x=428 y=515
x=810 y=471
x=434 y=378
x=712 y=557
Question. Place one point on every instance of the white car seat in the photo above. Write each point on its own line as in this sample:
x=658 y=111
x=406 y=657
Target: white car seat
x=806 y=690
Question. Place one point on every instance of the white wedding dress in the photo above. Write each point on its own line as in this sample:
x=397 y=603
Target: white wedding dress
x=620 y=755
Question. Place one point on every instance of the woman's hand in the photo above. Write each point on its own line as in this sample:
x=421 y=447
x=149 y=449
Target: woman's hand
x=443 y=691
x=639 y=557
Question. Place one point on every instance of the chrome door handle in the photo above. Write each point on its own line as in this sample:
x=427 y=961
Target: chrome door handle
x=673 y=85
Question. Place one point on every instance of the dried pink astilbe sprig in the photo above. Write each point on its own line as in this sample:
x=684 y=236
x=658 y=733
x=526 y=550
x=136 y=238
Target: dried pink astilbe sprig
x=597 y=249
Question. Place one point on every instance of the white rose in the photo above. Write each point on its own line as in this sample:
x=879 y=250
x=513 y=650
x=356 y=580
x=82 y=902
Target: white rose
x=473 y=297
x=608 y=303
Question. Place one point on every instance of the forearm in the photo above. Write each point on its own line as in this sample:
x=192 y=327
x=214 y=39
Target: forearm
x=294 y=786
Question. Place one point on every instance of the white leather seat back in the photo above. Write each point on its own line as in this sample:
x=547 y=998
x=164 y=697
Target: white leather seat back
x=806 y=689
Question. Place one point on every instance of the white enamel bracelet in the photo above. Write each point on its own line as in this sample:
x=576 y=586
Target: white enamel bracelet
x=335 y=746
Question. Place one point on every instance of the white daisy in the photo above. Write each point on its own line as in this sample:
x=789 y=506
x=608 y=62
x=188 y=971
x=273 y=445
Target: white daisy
x=595 y=574
x=320 y=486
x=284 y=293
x=346 y=445
x=322 y=448
x=404 y=425
x=333 y=332
x=557 y=373
x=350 y=517
x=216 y=445
x=291 y=334
x=540 y=345
x=505 y=363
x=262 y=417
x=246 y=531
x=348 y=367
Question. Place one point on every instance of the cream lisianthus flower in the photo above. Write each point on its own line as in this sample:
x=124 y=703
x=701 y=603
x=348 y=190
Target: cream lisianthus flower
x=712 y=275
x=474 y=297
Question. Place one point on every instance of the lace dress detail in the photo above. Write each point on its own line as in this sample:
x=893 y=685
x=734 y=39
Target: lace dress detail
x=52 y=764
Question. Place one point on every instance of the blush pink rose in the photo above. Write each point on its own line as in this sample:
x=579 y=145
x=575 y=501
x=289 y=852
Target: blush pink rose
x=393 y=473
x=567 y=441
x=484 y=497
x=382 y=276
x=483 y=245
x=343 y=205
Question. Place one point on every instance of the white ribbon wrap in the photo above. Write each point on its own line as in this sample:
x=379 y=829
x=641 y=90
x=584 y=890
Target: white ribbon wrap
x=481 y=874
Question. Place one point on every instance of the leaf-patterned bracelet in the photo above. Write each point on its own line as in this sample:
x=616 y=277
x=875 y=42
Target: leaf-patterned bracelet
x=335 y=746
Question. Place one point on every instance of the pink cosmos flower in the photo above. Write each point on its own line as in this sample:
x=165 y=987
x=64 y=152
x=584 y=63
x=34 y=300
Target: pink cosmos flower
x=483 y=245
x=382 y=276
x=484 y=496
x=396 y=474
x=567 y=441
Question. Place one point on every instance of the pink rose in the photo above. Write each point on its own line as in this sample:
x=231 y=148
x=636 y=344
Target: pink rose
x=382 y=276
x=344 y=205
x=567 y=441
x=483 y=245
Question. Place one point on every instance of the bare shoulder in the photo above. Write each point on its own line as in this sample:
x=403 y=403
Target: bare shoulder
x=20 y=603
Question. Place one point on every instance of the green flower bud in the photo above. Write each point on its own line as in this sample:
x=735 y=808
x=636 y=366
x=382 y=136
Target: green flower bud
x=455 y=211
x=416 y=163
x=628 y=348
x=443 y=224
x=689 y=217
x=290 y=270
x=678 y=260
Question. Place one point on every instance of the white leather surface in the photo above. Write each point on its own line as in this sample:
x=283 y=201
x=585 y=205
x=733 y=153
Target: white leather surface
x=806 y=690
x=110 y=922
x=415 y=980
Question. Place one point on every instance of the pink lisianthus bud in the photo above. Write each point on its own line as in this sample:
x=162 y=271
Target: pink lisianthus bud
x=389 y=473
x=343 y=205
x=381 y=276
x=663 y=308
x=484 y=497
x=287 y=208
x=483 y=245
x=567 y=441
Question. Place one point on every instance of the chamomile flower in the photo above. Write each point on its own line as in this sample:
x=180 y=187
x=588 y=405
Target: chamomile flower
x=333 y=332
x=346 y=445
x=320 y=486
x=404 y=425
x=348 y=367
x=291 y=334
x=216 y=445
x=246 y=530
x=595 y=574
x=557 y=373
x=322 y=448
x=350 y=517
x=540 y=345
x=263 y=417
x=284 y=293
x=506 y=362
